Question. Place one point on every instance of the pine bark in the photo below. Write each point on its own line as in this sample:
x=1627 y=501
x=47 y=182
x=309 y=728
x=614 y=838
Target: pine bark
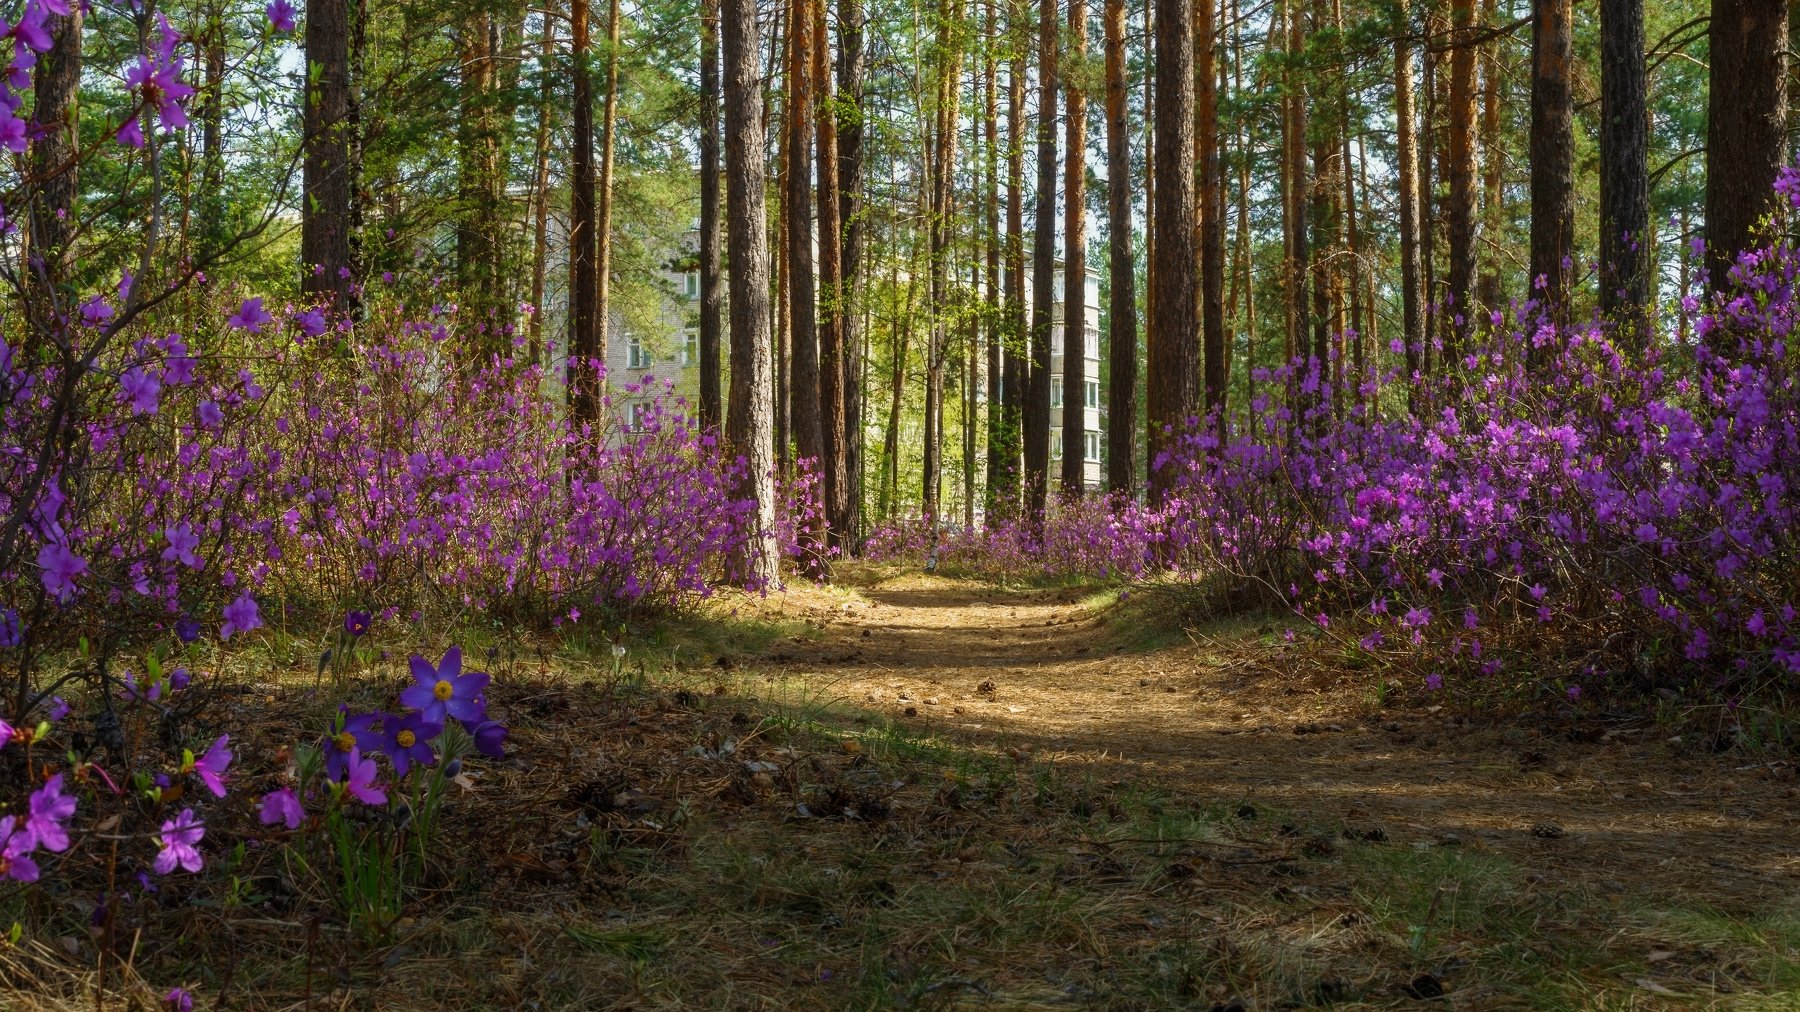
x=584 y=335
x=833 y=463
x=1212 y=219
x=1074 y=416
x=55 y=151
x=1746 y=126
x=609 y=129
x=748 y=426
x=328 y=189
x=540 y=186
x=804 y=410
x=1043 y=268
x=1015 y=373
x=1172 y=394
x=1122 y=322
x=1624 y=170
x=1460 y=214
x=851 y=70
x=712 y=294
x=1552 y=157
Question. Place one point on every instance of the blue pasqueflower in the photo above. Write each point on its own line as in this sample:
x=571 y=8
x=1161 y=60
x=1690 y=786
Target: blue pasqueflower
x=444 y=690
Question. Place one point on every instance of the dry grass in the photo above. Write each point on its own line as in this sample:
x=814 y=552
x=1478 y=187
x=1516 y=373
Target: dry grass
x=744 y=815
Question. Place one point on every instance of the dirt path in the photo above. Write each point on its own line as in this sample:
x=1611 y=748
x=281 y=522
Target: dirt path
x=1232 y=722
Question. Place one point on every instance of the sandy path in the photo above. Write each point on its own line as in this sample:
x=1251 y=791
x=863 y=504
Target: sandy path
x=1225 y=721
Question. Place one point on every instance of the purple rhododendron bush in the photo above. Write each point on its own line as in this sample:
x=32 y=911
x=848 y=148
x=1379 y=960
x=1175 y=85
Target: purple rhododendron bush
x=1098 y=539
x=1605 y=519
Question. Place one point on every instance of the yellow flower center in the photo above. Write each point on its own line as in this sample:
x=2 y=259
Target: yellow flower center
x=345 y=741
x=442 y=690
x=405 y=739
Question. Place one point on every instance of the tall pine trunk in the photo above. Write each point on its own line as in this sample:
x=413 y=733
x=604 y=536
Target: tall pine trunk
x=609 y=128
x=328 y=191
x=1460 y=225
x=584 y=335
x=804 y=410
x=1625 y=252
x=748 y=427
x=850 y=70
x=1015 y=374
x=1212 y=219
x=1043 y=268
x=1174 y=338
x=540 y=186
x=833 y=464
x=1122 y=322
x=1552 y=158
x=712 y=294
x=994 y=327
x=1074 y=417
x=1746 y=125
x=55 y=151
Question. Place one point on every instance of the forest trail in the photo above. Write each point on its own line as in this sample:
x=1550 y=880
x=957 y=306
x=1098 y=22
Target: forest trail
x=1229 y=719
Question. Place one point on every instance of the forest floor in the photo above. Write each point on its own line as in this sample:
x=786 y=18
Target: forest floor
x=905 y=791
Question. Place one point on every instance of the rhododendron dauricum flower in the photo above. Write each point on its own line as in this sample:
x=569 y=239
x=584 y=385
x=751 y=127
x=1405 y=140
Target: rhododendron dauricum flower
x=47 y=810
x=210 y=768
x=445 y=689
x=61 y=566
x=15 y=849
x=241 y=615
x=281 y=15
x=250 y=316
x=157 y=81
x=180 y=839
x=12 y=631
x=281 y=806
x=182 y=542
x=359 y=781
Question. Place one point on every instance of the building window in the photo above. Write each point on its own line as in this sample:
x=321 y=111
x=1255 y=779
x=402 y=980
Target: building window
x=1056 y=446
x=1091 y=338
x=1092 y=446
x=637 y=416
x=691 y=284
x=636 y=355
x=1093 y=393
x=1055 y=390
x=690 y=347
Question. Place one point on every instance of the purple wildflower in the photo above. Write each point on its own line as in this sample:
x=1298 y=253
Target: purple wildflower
x=356 y=623
x=187 y=629
x=250 y=316
x=282 y=806
x=358 y=733
x=142 y=389
x=48 y=809
x=445 y=689
x=182 y=542
x=179 y=839
x=241 y=615
x=210 y=768
x=15 y=847
x=490 y=739
x=407 y=741
x=281 y=16
x=12 y=631
x=179 y=1000
x=360 y=781
x=61 y=566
